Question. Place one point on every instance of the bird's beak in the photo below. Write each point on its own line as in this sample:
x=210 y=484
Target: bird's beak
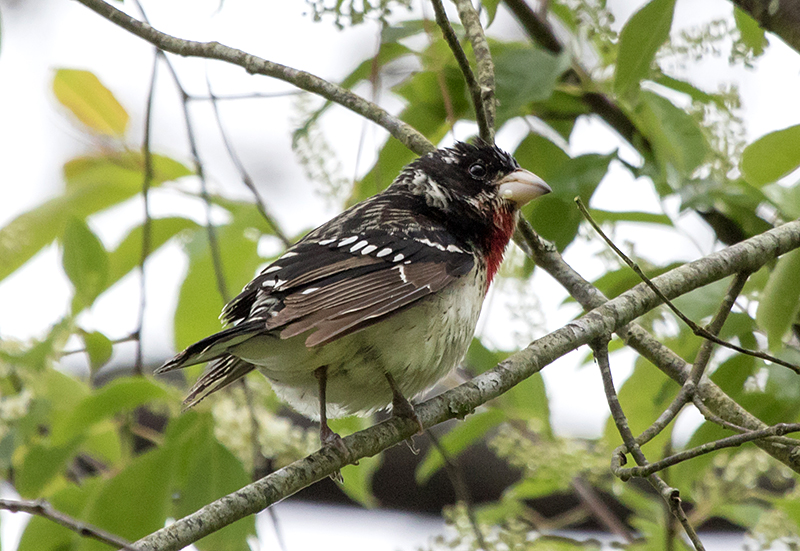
x=522 y=186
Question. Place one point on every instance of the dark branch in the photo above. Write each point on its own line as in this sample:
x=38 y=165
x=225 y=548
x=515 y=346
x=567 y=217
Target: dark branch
x=462 y=400
x=406 y=134
x=484 y=130
x=42 y=508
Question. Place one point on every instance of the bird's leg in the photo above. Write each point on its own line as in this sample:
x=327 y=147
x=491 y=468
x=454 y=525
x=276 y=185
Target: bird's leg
x=401 y=407
x=326 y=435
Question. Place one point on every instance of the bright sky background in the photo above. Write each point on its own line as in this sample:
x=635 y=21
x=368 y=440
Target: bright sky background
x=38 y=136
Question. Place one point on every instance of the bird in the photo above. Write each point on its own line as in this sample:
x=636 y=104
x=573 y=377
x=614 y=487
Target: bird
x=381 y=302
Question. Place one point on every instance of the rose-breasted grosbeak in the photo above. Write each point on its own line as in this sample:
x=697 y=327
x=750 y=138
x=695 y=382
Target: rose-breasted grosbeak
x=381 y=302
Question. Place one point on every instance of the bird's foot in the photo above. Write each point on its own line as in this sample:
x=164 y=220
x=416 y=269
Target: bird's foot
x=404 y=409
x=329 y=438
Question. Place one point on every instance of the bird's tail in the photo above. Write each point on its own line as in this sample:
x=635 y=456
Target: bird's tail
x=227 y=369
x=212 y=347
x=218 y=375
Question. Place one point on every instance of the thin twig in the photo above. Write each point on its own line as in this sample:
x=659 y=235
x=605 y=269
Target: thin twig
x=671 y=412
x=707 y=347
x=687 y=392
x=132 y=337
x=625 y=473
x=405 y=133
x=670 y=495
x=243 y=174
x=696 y=329
x=484 y=130
x=250 y=95
x=211 y=232
x=719 y=404
x=600 y=511
x=147 y=225
x=460 y=487
x=480 y=47
x=42 y=508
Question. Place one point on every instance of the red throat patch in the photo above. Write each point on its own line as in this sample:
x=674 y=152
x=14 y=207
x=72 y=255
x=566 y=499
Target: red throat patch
x=504 y=224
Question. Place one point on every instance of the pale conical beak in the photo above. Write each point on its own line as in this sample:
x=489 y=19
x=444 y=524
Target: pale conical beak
x=522 y=186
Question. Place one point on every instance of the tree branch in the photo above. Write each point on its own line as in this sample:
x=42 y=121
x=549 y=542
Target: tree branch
x=42 y=508
x=707 y=393
x=405 y=133
x=670 y=495
x=485 y=129
x=730 y=442
x=748 y=255
x=480 y=47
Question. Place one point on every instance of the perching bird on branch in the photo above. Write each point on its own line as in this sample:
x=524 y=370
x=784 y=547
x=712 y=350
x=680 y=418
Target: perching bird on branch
x=378 y=304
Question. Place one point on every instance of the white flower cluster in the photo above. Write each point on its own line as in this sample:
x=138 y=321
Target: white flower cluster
x=12 y=408
x=277 y=438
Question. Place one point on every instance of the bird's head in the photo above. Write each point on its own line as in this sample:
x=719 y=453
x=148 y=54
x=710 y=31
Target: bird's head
x=479 y=176
x=476 y=189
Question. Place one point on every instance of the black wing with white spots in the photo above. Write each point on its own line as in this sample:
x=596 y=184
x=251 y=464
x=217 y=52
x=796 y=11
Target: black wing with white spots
x=338 y=285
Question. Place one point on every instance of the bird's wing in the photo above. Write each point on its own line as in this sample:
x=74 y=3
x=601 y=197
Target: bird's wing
x=338 y=286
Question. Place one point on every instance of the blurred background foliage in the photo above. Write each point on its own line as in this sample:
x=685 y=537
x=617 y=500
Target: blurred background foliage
x=114 y=450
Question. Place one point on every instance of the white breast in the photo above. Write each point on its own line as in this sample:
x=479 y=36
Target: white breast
x=417 y=346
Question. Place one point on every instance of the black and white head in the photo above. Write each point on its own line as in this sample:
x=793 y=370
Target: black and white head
x=471 y=186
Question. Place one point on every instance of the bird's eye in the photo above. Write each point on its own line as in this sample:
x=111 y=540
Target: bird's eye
x=477 y=170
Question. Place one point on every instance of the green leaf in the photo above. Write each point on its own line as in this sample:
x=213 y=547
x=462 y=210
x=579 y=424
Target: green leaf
x=772 y=156
x=213 y=472
x=528 y=401
x=135 y=502
x=480 y=359
x=358 y=480
x=541 y=156
x=490 y=6
x=118 y=396
x=786 y=199
x=525 y=74
x=104 y=443
x=85 y=261
x=675 y=135
x=199 y=300
x=40 y=465
x=690 y=90
x=560 y=111
x=98 y=347
x=93 y=184
x=555 y=216
x=643 y=397
x=125 y=169
x=751 y=35
x=780 y=302
x=461 y=436
x=128 y=253
x=640 y=39
x=92 y=103
x=390 y=34
x=427 y=112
